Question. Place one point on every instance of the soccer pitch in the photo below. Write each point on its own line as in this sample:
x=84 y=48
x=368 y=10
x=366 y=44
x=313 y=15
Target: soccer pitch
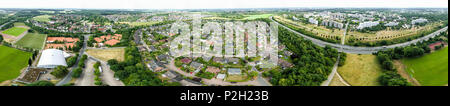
x=32 y=40
x=15 y=31
x=12 y=61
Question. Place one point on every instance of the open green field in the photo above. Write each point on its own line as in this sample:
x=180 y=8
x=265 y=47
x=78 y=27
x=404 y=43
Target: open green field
x=19 y=24
x=42 y=18
x=32 y=40
x=431 y=69
x=15 y=31
x=12 y=61
x=252 y=17
x=361 y=70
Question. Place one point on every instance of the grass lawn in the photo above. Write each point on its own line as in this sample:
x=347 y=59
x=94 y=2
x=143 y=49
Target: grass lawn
x=431 y=69
x=15 y=31
x=361 y=70
x=42 y=18
x=12 y=61
x=32 y=40
x=19 y=24
x=107 y=54
x=237 y=78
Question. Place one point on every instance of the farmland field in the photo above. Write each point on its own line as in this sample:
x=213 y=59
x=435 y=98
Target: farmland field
x=431 y=69
x=361 y=70
x=12 y=61
x=15 y=31
x=32 y=40
x=107 y=54
x=42 y=18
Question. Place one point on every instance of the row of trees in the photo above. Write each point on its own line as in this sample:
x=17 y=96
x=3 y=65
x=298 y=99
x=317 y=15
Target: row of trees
x=310 y=34
x=312 y=63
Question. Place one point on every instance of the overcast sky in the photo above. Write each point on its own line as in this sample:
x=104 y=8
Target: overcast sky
x=212 y=4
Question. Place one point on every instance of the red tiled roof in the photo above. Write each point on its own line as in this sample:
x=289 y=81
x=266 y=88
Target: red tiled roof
x=112 y=42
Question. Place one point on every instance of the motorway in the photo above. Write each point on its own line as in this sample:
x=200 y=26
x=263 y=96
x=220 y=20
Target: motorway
x=362 y=50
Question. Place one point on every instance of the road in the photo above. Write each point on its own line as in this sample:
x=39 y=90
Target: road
x=362 y=50
x=6 y=23
x=68 y=77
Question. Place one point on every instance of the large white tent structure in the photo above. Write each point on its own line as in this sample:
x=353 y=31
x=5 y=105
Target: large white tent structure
x=52 y=58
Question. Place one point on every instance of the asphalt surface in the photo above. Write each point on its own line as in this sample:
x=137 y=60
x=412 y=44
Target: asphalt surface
x=362 y=50
x=68 y=77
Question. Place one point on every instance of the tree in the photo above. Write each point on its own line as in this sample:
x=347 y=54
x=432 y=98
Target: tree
x=30 y=62
x=71 y=61
x=1 y=39
x=413 y=51
x=388 y=65
x=112 y=62
x=41 y=83
x=60 y=72
x=77 y=72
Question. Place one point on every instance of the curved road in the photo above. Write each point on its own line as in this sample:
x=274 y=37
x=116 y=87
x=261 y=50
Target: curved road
x=362 y=50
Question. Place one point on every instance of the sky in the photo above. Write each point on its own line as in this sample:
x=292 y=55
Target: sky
x=219 y=4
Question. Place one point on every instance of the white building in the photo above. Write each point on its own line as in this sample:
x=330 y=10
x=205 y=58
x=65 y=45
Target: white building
x=367 y=24
x=313 y=21
x=332 y=24
x=391 y=24
x=52 y=58
x=417 y=21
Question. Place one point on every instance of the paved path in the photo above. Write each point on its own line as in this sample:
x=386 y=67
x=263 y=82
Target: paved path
x=362 y=50
x=87 y=77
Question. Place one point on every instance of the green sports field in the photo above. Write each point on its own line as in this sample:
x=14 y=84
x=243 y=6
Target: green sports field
x=12 y=61
x=32 y=40
x=15 y=31
x=431 y=69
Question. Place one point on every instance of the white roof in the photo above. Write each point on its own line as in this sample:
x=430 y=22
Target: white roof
x=51 y=58
x=221 y=76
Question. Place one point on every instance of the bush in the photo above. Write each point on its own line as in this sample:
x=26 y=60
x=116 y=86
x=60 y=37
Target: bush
x=71 y=61
x=77 y=72
x=41 y=83
x=60 y=72
x=98 y=83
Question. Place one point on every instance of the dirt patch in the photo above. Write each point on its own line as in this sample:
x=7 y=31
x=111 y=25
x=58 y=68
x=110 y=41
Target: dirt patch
x=5 y=83
x=401 y=70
